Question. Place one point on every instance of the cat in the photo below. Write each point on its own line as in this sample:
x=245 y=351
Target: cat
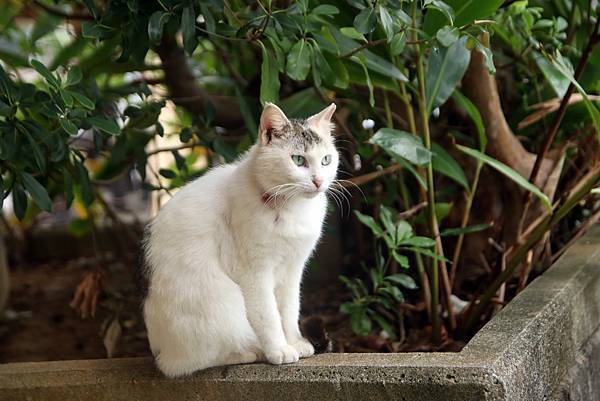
x=225 y=256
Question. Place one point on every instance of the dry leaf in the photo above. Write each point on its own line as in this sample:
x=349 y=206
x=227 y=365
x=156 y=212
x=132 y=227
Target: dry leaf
x=86 y=295
x=111 y=337
x=549 y=106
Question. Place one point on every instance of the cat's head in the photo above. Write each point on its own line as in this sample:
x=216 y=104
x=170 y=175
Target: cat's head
x=295 y=157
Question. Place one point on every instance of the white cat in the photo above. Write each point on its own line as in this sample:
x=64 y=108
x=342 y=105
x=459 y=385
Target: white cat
x=225 y=255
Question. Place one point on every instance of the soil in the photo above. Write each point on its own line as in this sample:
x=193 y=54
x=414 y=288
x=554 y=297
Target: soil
x=40 y=325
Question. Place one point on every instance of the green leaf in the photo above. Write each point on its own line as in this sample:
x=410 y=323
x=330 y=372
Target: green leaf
x=401 y=144
x=66 y=97
x=37 y=191
x=82 y=100
x=394 y=292
x=361 y=60
x=44 y=72
x=397 y=44
x=170 y=174
x=403 y=230
x=156 y=24
x=353 y=34
x=74 y=76
x=557 y=80
x=5 y=110
x=447 y=35
x=91 y=6
x=387 y=219
x=445 y=164
x=366 y=21
x=209 y=20
x=68 y=126
x=385 y=326
x=508 y=172
x=325 y=70
x=421 y=242
x=472 y=111
x=445 y=69
x=370 y=222
x=298 y=61
x=325 y=9
x=372 y=60
x=19 y=201
x=386 y=22
x=87 y=193
x=467 y=230
x=188 y=29
x=401 y=259
x=108 y=126
x=563 y=65
x=361 y=323
x=428 y=253
x=403 y=279
x=465 y=12
x=269 y=78
x=442 y=7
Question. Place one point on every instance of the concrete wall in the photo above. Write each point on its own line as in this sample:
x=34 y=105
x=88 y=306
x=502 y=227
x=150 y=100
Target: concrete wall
x=545 y=345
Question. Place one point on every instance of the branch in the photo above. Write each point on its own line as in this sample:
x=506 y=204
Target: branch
x=62 y=14
x=365 y=178
x=564 y=103
x=186 y=92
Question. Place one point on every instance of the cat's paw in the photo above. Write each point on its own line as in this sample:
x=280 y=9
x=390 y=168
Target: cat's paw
x=284 y=354
x=304 y=347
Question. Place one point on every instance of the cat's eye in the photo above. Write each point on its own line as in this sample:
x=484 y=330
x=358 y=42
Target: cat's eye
x=299 y=160
x=326 y=160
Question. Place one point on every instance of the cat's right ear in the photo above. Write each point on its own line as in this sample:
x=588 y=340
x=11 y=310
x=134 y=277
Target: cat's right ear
x=272 y=120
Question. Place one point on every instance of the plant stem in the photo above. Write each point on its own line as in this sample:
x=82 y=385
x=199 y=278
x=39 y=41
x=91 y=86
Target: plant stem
x=518 y=254
x=432 y=219
x=412 y=126
x=594 y=39
x=465 y=221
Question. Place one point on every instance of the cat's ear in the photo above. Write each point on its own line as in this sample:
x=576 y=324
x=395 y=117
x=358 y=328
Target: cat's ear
x=272 y=120
x=322 y=120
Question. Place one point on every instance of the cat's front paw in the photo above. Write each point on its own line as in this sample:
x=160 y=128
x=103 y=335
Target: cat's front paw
x=284 y=354
x=304 y=347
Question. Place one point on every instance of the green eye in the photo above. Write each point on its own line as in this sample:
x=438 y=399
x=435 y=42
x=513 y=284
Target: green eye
x=299 y=160
x=326 y=160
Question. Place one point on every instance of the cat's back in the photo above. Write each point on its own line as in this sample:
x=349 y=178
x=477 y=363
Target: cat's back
x=198 y=203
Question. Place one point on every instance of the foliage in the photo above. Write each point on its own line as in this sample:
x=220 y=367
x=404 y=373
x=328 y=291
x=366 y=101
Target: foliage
x=382 y=293
x=83 y=86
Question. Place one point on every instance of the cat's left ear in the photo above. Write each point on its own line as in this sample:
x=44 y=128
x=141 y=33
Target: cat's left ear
x=322 y=120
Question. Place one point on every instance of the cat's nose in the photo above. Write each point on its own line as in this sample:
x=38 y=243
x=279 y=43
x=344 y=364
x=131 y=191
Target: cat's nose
x=317 y=181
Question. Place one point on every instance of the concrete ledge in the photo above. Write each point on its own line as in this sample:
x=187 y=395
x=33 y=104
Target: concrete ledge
x=545 y=345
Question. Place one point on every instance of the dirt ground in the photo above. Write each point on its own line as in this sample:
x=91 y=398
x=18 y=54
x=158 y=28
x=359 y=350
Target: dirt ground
x=39 y=324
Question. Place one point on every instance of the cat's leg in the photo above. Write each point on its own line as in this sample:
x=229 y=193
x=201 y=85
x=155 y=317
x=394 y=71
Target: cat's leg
x=263 y=315
x=239 y=358
x=288 y=300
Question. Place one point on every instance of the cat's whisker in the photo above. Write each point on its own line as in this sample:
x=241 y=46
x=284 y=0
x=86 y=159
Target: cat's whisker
x=339 y=181
x=337 y=193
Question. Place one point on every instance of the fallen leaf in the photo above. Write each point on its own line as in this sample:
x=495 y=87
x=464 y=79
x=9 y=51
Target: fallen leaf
x=86 y=295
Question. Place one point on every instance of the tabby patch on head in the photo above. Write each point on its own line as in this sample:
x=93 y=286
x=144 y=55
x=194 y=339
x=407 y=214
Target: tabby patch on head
x=302 y=133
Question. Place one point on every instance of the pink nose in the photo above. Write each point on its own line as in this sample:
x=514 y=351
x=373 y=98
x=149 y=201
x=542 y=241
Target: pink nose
x=317 y=181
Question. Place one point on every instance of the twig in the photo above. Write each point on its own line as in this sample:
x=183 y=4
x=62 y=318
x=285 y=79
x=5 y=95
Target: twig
x=516 y=255
x=363 y=47
x=594 y=38
x=408 y=213
x=62 y=14
x=464 y=223
x=365 y=178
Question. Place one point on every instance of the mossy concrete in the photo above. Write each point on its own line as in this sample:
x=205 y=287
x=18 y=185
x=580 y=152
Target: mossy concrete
x=545 y=345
